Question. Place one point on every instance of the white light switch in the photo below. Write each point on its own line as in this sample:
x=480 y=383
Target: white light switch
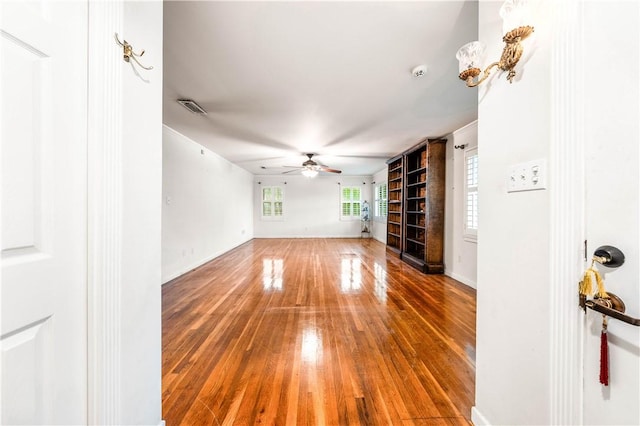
x=528 y=176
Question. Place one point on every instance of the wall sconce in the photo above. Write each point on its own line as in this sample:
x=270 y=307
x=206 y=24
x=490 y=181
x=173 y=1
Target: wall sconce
x=515 y=15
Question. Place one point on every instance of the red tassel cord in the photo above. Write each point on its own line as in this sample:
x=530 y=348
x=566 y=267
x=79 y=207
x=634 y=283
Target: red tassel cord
x=604 y=356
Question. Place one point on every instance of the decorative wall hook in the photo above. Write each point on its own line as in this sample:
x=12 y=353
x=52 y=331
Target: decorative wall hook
x=459 y=146
x=128 y=53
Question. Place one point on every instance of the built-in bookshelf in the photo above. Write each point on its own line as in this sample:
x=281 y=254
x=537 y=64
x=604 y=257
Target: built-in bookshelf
x=394 y=210
x=417 y=221
x=415 y=206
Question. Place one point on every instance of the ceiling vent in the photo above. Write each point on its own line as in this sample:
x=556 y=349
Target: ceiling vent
x=192 y=106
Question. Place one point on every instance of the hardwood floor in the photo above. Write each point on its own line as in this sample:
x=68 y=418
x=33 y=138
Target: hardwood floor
x=318 y=332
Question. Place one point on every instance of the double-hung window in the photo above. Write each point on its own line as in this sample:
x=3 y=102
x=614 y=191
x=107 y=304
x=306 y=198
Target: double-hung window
x=272 y=202
x=350 y=202
x=380 y=207
x=471 y=195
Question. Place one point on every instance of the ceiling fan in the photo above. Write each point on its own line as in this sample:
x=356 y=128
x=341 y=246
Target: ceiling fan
x=310 y=168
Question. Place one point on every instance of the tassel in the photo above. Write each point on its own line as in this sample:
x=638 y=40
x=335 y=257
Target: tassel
x=602 y=293
x=604 y=355
x=586 y=285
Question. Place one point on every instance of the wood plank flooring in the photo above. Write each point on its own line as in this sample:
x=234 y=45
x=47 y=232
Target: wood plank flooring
x=316 y=332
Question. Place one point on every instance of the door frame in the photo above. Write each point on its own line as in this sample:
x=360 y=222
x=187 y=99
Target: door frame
x=567 y=214
x=104 y=139
x=105 y=208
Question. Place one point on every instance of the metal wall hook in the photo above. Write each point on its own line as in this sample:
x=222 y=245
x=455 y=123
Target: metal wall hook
x=460 y=146
x=609 y=256
x=128 y=53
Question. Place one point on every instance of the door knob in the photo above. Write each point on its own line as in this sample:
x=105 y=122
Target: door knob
x=609 y=256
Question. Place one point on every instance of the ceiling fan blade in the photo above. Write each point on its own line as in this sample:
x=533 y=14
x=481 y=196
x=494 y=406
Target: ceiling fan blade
x=279 y=167
x=293 y=170
x=328 y=170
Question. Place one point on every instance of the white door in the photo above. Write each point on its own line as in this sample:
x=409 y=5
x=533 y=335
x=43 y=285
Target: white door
x=612 y=130
x=43 y=212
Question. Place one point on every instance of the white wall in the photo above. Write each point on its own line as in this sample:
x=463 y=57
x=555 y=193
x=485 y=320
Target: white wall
x=207 y=205
x=512 y=332
x=311 y=207
x=379 y=227
x=460 y=255
x=140 y=321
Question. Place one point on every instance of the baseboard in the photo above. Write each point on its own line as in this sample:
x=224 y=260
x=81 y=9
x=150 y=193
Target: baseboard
x=268 y=237
x=199 y=263
x=477 y=418
x=463 y=280
x=379 y=240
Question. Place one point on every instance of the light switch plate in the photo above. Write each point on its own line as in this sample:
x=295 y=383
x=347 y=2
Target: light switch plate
x=529 y=176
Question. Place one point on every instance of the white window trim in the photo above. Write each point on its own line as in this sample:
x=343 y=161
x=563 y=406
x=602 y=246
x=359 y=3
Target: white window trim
x=350 y=217
x=272 y=217
x=377 y=203
x=468 y=234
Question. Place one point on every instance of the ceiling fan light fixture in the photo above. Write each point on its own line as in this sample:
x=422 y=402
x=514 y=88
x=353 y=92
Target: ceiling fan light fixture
x=310 y=173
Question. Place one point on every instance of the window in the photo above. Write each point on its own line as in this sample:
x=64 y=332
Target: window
x=272 y=202
x=471 y=195
x=350 y=203
x=380 y=205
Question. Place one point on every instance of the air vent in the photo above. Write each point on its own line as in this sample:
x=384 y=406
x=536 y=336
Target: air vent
x=192 y=106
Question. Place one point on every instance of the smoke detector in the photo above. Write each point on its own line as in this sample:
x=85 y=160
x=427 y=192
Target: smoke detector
x=419 y=71
x=192 y=106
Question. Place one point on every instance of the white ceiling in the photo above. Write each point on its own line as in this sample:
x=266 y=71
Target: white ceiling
x=279 y=79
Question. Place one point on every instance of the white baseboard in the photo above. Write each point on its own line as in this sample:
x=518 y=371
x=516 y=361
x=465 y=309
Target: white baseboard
x=199 y=263
x=478 y=419
x=267 y=237
x=463 y=280
x=379 y=239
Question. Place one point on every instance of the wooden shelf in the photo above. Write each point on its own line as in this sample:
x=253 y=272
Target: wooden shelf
x=421 y=169
x=416 y=241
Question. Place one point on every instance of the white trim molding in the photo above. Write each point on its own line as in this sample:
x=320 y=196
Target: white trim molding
x=478 y=419
x=105 y=211
x=464 y=280
x=567 y=213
